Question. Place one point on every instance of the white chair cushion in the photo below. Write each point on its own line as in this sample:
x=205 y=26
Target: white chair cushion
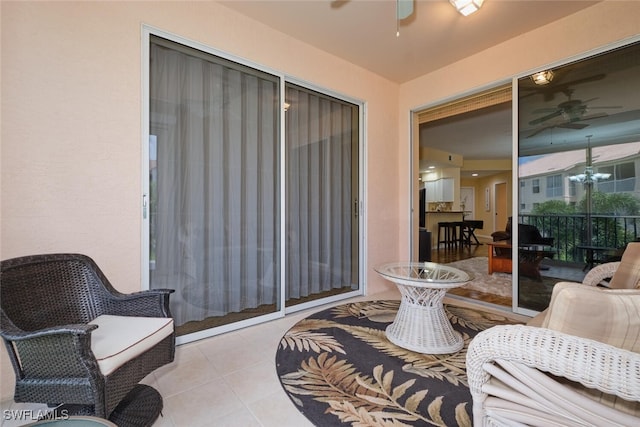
x=119 y=339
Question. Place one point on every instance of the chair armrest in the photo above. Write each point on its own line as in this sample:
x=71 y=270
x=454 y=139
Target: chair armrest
x=500 y=235
x=600 y=272
x=148 y=303
x=593 y=364
x=51 y=353
x=15 y=334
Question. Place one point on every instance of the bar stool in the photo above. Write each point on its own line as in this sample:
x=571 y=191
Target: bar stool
x=449 y=232
x=459 y=230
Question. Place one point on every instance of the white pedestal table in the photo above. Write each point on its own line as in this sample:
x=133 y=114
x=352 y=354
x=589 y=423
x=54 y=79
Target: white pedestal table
x=421 y=324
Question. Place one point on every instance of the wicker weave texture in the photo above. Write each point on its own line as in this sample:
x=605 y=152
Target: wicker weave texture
x=421 y=324
x=593 y=364
x=46 y=302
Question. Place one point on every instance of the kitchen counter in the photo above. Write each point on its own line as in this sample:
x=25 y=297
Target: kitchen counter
x=432 y=218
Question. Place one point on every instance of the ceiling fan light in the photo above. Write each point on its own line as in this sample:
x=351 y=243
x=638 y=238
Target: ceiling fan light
x=542 y=77
x=467 y=7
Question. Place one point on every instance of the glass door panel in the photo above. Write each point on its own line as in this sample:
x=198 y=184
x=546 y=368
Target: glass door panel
x=214 y=186
x=322 y=205
x=579 y=154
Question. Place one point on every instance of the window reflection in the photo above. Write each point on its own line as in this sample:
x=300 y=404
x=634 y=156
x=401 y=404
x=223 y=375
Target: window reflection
x=579 y=149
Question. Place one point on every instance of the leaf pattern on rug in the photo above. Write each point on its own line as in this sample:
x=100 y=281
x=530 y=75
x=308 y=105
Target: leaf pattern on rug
x=475 y=320
x=300 y=337
x=372 y=310
x=328 y=379
x=339 y=363
x=356 y=398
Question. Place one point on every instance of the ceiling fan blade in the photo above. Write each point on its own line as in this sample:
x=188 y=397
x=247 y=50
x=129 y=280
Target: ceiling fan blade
x=601 y=107
x=593 y=116
x=404 y=8
x=571 y=125
x=539 y=130
x=539 y=120
x=545 y=110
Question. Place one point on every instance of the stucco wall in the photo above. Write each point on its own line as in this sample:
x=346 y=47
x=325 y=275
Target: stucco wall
x=71 y=125
x=606 y=23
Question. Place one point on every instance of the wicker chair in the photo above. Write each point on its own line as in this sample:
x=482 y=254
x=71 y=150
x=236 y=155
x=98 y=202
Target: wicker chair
x=53 y=311
x=575 y=364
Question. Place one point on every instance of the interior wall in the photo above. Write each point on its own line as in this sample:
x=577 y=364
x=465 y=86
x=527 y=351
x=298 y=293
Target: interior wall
x=71 y=110
x=71 y=126
x=607 y=22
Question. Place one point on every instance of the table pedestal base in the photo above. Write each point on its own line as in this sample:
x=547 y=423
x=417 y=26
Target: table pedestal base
x=421 y=324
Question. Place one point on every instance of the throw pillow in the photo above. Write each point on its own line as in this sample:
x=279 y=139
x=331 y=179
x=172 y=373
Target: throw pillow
x=627 y=276
x=611 y=316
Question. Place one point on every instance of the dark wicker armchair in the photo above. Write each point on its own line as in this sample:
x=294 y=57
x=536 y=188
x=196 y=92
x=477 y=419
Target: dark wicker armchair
x=47 y=304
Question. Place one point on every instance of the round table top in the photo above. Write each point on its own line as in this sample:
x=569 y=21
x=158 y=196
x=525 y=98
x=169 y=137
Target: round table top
x=428 y=274
x=75 y=421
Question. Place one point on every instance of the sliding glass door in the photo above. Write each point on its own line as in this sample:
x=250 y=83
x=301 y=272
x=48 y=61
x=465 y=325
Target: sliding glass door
x=322 y=213
x=233 y=186
x=214 y=186
x=579 y=156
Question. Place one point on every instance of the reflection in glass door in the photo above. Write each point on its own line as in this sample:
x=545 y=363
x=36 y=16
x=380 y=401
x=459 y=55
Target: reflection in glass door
x=579 y=153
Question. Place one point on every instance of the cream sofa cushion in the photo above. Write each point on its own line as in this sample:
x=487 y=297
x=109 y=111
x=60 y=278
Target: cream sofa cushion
x=611 y=316
x=627 y=276
x=119 y=339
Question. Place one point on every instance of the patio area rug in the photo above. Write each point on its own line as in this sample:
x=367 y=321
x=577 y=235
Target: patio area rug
x=338 y=368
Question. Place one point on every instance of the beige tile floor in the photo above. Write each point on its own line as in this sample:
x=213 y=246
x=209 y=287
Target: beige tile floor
x=226 y=380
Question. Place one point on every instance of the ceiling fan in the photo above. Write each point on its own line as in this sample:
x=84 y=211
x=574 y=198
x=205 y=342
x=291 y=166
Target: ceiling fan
x=549 y=91
x=572 y=111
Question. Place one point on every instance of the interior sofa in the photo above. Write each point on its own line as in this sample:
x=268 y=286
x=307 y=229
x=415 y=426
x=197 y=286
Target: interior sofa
x=575 y=364
x=527 y=235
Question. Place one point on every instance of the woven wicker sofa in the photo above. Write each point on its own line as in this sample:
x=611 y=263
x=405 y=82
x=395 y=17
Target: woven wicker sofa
x=575 y=364
x=74 y=340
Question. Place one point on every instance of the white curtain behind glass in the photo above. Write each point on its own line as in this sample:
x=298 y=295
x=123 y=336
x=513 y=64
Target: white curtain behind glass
x=215 y=186
x=320 y=137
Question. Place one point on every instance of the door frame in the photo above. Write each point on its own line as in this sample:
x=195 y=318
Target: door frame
x=147 y=31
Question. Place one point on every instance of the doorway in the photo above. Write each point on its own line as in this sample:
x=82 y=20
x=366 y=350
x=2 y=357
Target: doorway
x=501 y=207
x=468 y=139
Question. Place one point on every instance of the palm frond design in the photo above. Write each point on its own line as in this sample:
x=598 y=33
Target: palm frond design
x=310 y=341
x=368 y=309
x=445 y=367
x=344 y=365
x=329 y=379
x=475 y=320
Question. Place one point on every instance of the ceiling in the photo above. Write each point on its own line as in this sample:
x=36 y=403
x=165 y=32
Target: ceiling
x=363 y=32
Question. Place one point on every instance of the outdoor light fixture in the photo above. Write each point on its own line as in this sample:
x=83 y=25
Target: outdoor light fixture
x=588 y=177
x=543 y=77
x=467 y=7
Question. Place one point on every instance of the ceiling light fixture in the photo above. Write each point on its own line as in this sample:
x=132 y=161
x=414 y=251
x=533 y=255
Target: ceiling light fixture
x=542 y=77
x=467 y=7
x=404 y=9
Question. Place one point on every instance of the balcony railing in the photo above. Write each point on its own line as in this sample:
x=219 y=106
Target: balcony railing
x=570 y=232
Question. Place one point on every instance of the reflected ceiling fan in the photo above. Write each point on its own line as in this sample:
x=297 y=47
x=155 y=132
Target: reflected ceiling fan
x=549 y=91
x=573 y=111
